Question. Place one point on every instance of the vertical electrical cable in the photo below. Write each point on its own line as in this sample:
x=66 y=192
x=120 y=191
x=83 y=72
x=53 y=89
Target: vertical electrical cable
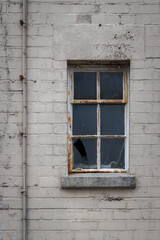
x=24 y=155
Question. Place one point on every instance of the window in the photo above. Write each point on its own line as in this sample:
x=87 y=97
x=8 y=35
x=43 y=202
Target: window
x=97 y=119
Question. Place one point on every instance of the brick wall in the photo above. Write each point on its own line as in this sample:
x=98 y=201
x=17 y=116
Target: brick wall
x=85 y=30
x=10 y=120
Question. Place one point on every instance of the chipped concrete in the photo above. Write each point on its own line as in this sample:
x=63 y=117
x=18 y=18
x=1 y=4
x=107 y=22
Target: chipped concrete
x=101 y=181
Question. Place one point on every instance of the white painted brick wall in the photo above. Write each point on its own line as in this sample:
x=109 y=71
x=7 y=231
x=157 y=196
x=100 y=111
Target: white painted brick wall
x=59 y=30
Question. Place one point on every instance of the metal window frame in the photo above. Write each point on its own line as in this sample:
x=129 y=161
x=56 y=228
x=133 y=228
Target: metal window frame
x=71 y=101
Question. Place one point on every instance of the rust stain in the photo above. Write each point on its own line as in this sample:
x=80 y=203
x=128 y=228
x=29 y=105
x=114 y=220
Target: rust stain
x=123 y=171
x=96 y=171
x=69 y=118
x=98 y=118
x=68 y=92
x=116 y=171
x=113 y=136
x=125 y=86
x=84 y=136
x=69 y=138
x=71 y=82
x=98 y=101
x=69 y=155
x=98 y=86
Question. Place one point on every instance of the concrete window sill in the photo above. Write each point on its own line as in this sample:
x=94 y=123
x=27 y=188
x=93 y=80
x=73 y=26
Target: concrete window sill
x=99 y=181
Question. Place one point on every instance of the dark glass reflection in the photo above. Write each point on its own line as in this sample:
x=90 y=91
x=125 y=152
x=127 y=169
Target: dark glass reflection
x=85 y=119
x=111 y=85
x=84 y=153
x=112 y=119
x=112 y=153
x=85 y=85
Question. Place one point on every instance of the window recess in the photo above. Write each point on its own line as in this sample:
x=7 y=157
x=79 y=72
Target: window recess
x=97 y=119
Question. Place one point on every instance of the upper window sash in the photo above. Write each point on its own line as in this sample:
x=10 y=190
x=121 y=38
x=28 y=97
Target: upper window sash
x=98 y=71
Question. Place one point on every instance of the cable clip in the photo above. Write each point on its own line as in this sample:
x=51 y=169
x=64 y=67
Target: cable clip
x=21 y=22
x=21 y=77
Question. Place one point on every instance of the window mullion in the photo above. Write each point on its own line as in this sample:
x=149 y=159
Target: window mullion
x=98 y=121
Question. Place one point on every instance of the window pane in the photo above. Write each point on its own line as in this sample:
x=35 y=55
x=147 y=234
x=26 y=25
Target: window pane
x=112 y=119
x=112 y=153
x=84 y=153
x=84 y=119
x=111 y=85
x=85 y=85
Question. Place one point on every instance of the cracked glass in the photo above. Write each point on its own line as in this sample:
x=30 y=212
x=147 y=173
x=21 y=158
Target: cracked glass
x=84 y=153
x=112 y=153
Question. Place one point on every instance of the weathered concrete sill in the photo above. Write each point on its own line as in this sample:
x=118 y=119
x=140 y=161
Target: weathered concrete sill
x=99 y=181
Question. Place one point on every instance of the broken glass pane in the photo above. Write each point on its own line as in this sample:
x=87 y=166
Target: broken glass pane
x=112 y=119
x=84 y=153
x=85 y=85
x=111 y=85
x=85 y=119
x=112 y=153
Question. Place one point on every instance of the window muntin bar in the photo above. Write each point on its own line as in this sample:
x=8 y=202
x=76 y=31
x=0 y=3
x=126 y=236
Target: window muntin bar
x=98 y=123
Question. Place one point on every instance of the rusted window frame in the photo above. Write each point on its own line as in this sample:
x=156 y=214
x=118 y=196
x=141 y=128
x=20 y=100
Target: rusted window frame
x=71 y=101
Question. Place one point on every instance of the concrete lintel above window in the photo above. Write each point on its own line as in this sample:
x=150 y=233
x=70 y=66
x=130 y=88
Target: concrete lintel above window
x=99 y=181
